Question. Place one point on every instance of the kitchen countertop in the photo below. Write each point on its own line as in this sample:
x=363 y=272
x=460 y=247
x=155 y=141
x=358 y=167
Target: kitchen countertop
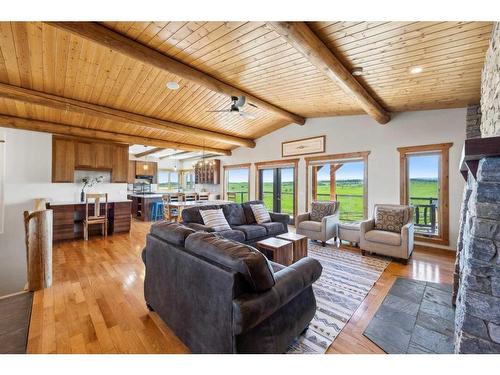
x=146 y=195
x=67 y=203
x=198 y=203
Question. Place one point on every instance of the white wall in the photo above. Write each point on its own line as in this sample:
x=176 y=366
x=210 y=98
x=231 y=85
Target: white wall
x=28 y=159
x=362 y=133
x=2 y=178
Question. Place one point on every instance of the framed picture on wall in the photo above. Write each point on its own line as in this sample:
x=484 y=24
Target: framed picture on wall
x=305 y=146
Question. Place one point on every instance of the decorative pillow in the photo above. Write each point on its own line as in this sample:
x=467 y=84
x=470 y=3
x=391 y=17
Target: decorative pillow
x=389 y=219
x=215 y=219
x=321 y=209
x=260 y=213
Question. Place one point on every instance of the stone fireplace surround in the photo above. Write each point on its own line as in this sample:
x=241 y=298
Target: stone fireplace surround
x=477 y=269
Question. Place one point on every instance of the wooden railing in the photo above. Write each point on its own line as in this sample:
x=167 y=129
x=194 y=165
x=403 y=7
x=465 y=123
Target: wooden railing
x=425 y=214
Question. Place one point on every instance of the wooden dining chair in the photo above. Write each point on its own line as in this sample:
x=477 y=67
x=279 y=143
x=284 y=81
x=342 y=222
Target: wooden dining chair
x=203 y=196
x=171 y=213
x=176 y=197
x=98 y=217
x=190 y=197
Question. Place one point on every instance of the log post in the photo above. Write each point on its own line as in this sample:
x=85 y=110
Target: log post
x=38 y=228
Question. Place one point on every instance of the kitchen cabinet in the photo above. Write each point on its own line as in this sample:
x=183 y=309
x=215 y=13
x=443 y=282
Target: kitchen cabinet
x=104 y=155
x=146 y=168
x=63 y=160
x=207 y=173
x=68 y=219
x=70 y=154
x=142 y=205
x=84 y=155
x=119 y=172
x=131 y=172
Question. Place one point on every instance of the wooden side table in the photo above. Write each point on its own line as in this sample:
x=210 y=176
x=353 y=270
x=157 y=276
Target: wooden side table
x=282 y=250
x=299 y=244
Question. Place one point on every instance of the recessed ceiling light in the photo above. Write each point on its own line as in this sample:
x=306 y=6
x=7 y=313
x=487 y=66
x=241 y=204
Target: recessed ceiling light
x=172 y=85
x=416 y=69
x=358 y=71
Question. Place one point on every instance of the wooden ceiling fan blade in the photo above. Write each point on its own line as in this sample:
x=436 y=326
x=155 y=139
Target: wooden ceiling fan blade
x=247 y=115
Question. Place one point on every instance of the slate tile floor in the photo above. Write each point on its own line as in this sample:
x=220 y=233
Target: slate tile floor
x=415 y=317
x=15 y=312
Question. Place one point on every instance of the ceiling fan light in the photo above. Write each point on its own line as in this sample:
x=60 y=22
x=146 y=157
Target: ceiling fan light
x=357 y=71
x=416 y=69
x=172 y=85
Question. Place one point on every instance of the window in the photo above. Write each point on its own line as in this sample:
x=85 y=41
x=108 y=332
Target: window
x=168 y=180
x=188 y=180
x=174 y=181
x=424 y=185
x=342 y=178
x=277 y=185
x=237 y=182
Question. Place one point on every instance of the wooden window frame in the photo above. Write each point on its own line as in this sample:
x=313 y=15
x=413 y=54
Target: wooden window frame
x=228 y=167
x=361 y=155
x=182 y=175
x=169 y=170
x=282 y=163
x=444 y=194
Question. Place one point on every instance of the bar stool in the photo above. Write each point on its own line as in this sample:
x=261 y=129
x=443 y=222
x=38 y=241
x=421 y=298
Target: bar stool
x=157 y=210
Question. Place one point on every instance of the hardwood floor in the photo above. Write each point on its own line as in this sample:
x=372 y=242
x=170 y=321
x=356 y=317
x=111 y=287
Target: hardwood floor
x=96 y=303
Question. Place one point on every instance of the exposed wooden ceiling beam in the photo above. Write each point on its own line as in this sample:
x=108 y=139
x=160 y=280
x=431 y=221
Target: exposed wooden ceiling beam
x=199 y=157
x=63 y=129
x=110 y=39
x=66 y=104
x=304 y=40
x=175 y=154
x=149 y=152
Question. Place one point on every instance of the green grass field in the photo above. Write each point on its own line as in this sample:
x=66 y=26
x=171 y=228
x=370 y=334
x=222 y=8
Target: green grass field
x=349 y=194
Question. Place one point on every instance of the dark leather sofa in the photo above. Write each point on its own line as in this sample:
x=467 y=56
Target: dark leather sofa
x=221 y=296
x=240 y=217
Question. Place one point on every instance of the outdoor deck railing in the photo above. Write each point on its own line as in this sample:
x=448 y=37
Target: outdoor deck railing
x=242 y=196
x=425 y=213
x=237 y=196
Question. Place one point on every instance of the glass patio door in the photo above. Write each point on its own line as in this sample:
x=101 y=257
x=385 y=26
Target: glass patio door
x=277 y=189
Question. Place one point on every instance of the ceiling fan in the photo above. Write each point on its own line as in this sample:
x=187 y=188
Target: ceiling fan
x=237 y=103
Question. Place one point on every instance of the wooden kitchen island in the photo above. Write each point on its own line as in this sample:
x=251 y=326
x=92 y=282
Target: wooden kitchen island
x=68 y=219
x=142 y=205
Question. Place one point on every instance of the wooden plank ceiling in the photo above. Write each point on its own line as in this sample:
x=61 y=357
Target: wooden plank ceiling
x=250 y=56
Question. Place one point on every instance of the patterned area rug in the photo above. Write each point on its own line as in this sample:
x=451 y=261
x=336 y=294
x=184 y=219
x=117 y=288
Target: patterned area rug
x=346 y=280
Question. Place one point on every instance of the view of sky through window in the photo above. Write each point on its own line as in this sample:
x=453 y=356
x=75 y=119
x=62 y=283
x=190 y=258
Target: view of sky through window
x=424 y=166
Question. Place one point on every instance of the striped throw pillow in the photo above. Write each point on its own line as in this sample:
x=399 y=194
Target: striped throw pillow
x=260 y=213
x=215 y=219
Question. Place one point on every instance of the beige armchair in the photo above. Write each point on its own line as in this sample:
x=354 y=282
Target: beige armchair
x=319 y=230
x=384 y=242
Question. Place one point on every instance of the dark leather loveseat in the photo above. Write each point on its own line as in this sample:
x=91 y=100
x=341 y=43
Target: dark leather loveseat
x=240 y=217
x=221 y=296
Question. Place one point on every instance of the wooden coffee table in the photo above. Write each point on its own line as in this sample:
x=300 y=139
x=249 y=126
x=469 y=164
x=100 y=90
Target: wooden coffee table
x=281 y=250
x=299 y=244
